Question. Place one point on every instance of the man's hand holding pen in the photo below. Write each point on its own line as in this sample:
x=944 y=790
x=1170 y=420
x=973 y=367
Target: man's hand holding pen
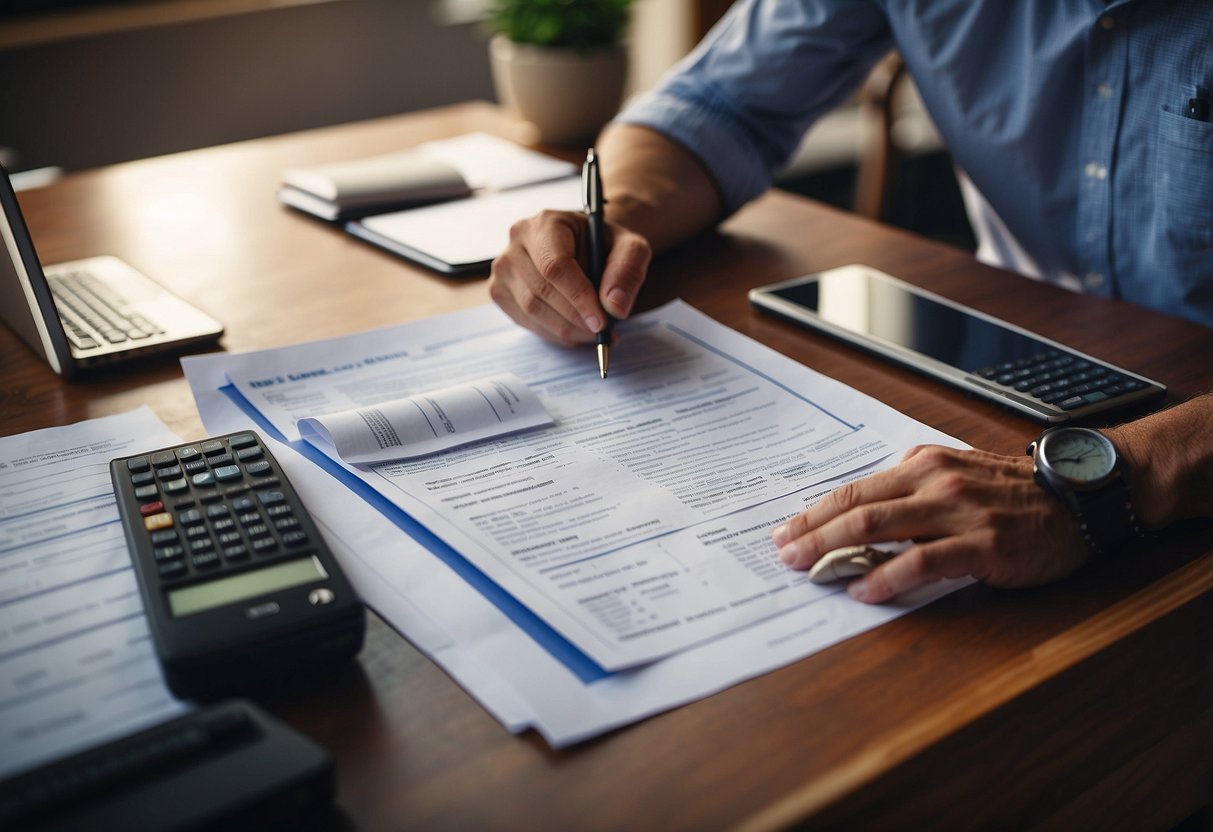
x=544 y=279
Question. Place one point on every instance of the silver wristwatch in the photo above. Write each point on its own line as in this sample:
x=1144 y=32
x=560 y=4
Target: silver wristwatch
x=1081 y=467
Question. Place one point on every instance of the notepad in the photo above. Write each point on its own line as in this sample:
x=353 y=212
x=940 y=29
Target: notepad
x=463 y=237
x=346 y=189
x=454 y=168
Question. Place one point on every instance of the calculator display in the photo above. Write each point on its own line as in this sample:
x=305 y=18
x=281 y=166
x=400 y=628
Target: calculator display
x=245 y=585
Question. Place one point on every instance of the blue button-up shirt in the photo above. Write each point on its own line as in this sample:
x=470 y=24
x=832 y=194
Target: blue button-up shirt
x=1067 y=119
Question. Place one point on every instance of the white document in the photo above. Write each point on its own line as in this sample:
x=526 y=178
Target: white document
x=605 y=525
x=504 y=666
x=429 y=422
x=77 y=667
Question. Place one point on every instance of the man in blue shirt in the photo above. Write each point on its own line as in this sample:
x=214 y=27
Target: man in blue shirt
x=1082 y=133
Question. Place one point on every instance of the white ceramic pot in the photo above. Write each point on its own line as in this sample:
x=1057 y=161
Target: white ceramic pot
x=568 y=95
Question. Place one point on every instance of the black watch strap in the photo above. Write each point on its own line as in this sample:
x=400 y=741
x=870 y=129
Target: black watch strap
x=1106 y=519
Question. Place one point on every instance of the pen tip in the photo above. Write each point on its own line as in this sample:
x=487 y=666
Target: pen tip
x=604 y=359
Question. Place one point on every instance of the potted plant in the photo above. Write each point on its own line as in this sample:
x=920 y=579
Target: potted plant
x=560 y=64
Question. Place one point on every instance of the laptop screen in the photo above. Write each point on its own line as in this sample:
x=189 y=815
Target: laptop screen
x=26 y=305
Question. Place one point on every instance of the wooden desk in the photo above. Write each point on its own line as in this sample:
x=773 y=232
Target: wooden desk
x=1087 y=703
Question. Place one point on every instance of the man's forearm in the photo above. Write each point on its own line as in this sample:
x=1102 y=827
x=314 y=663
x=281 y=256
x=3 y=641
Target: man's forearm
x=654 y=187
x=1170 y=457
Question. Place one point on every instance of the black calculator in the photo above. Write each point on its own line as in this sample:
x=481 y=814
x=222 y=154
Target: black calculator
x=239 y=586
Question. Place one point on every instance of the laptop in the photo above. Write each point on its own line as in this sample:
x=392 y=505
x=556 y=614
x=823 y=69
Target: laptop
x=89 y=312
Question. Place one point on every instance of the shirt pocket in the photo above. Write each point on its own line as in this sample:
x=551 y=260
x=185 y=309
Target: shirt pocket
x=1183 y=181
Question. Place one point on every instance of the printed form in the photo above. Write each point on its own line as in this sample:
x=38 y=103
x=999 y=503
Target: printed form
x=77 y=667
x=638 y=524
x=501 y=661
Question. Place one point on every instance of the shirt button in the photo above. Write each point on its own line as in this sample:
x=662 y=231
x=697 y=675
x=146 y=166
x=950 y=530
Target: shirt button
x=1094 y=170
x=1108 y=22
x=1093 y=280
x=1104 y=90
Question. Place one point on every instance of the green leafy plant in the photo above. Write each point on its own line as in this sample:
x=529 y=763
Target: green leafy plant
x=576 y=24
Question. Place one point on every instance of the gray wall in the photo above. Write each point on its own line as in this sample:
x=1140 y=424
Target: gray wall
x=114 y=97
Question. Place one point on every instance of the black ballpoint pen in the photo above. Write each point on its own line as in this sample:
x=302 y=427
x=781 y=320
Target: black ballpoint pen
x=1198 y=107
x=591 y=190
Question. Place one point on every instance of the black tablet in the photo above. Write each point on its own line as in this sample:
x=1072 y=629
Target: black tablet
x=977 y=352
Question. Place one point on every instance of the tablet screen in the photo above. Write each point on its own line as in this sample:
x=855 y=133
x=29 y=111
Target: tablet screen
x=875 y=308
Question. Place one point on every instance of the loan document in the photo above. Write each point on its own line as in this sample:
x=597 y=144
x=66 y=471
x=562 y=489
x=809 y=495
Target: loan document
x=77 y=667
x=609 y=524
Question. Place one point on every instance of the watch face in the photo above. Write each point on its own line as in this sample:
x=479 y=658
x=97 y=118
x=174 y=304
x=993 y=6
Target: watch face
x=1079 y=454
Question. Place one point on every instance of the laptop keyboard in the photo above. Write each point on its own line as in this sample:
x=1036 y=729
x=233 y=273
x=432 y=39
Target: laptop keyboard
x=92 y=313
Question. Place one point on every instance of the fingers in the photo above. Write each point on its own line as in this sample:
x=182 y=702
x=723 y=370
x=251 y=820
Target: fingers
x=626 y=267
x=539 y=282
x=854 y=513
x=915 y=567
x=970 y=513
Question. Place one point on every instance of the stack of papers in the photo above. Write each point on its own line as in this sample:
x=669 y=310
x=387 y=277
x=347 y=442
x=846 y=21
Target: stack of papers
x=579 y=576
x=77 y=667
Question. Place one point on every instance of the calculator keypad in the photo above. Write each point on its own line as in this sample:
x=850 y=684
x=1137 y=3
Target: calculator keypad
x=1062 y=380
x=214 y=506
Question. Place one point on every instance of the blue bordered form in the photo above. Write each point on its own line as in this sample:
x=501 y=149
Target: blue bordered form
x=560 y=648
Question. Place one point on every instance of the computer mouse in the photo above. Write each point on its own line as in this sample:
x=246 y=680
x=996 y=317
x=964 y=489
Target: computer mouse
x=847 y=562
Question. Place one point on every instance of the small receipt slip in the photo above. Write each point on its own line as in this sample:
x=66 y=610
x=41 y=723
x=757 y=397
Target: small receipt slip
x=430 y=422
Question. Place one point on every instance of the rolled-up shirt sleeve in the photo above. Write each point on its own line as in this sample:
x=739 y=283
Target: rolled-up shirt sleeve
x=743 y=99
